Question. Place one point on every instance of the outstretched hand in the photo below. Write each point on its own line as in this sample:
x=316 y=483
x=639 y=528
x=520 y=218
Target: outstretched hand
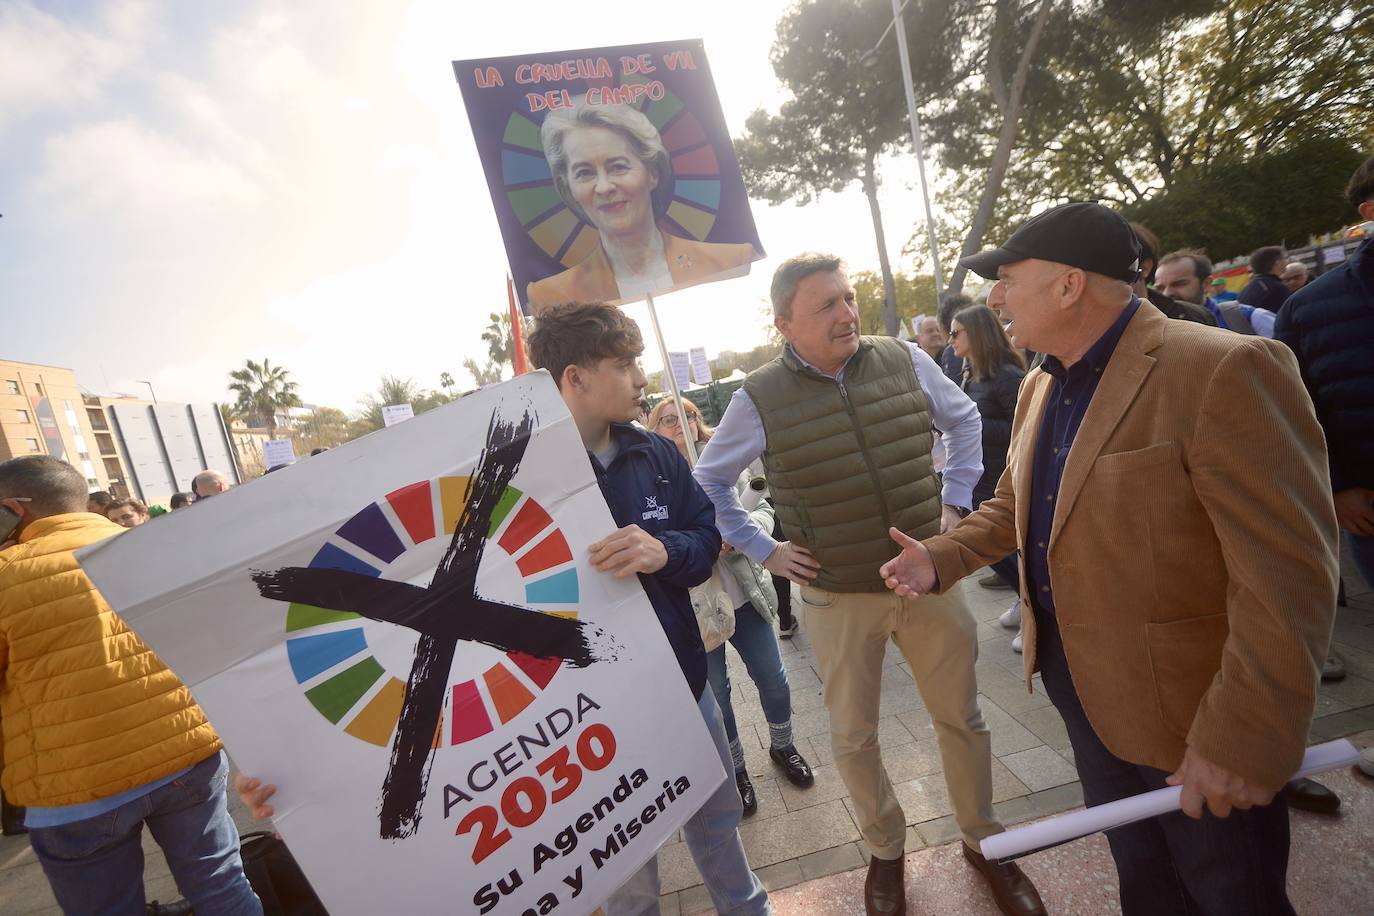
x=912 y=572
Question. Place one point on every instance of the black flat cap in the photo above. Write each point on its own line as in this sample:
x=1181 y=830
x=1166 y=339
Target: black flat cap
x=1081 y=234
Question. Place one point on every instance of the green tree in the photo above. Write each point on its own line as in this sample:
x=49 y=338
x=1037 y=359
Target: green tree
x=263 y=389
x=915 y=296
x=1129 y=101
x=500 y=340
x=324 y=427
x=846 y=110
x=482 y=376
x=1218 y=210
x=394 y=390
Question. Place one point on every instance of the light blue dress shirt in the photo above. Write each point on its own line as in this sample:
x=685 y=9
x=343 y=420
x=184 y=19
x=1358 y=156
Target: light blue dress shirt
x=739 y=440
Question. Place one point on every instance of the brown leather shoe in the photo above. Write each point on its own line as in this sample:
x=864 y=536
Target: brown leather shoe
x=884 y=888
x=1013 y=891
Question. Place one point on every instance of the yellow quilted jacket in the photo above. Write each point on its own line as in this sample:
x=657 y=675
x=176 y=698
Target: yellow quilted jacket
x=86 y=709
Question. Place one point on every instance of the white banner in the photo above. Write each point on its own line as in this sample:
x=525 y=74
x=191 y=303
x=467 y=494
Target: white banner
x=403 y=634
x=395 y=413
x=682 y=369
x=277 y=451
x=701 y=366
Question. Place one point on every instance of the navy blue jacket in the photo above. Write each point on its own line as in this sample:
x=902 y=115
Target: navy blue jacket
x=1265 y=291
x=649 y=484
x=1329 y=325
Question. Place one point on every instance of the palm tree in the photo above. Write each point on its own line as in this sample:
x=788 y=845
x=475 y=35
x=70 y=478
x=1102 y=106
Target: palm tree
x=263 y=389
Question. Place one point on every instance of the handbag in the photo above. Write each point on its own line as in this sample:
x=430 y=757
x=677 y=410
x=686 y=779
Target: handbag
x=714 y=610
x=276 y=878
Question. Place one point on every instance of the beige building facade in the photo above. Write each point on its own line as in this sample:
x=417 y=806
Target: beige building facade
x=43 y=411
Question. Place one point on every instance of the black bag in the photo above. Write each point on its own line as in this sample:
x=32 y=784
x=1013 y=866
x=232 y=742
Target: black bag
x=276 y=878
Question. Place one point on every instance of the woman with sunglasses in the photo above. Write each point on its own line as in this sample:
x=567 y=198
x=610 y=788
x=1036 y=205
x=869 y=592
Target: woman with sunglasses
x=993 y=369
x=751 y=594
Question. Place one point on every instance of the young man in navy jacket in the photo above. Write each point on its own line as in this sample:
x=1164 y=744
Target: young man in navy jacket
x=668 y=537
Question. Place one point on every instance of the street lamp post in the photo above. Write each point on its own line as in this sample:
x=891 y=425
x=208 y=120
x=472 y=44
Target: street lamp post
x=871 y=57
x=150 y=389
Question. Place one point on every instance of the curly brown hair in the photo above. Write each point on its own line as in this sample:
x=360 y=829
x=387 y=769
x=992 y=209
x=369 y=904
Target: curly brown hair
x=581 y=334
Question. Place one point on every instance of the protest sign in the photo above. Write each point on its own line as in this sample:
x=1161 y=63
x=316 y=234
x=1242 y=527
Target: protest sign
x=617 y=150
x=276 y=452
x=682 y=367
x=403 y=634
x=395 y=413
x=701 y=366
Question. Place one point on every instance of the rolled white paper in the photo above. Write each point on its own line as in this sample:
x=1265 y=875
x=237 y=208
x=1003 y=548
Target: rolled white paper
x=1319 y=758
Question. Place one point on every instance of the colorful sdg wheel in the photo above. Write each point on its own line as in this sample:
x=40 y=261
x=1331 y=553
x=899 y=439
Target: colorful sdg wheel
x=329 y=652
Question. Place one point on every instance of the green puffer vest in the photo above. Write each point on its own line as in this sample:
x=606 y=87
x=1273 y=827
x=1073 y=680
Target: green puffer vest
x=847 y=460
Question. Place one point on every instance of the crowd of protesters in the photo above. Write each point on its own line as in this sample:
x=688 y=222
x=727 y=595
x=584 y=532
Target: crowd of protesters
x=1159 y=474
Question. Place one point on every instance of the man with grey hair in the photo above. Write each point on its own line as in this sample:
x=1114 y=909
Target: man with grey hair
x=930 y=336
x=209 y=482
x=843 y=425
x=1179 y=579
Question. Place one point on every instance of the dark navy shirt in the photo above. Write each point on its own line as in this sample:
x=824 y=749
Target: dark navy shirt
x=1068 y=402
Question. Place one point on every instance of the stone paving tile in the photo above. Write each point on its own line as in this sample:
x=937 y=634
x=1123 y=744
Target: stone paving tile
x=1047 y=725
x=1040 y=768
x=694 y=900
x=798 y=833
x=828 y=787
x=780 y=874
x=1008 y=735
x=831 y=861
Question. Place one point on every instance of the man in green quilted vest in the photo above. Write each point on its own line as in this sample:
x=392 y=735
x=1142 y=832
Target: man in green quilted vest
x=843 y=424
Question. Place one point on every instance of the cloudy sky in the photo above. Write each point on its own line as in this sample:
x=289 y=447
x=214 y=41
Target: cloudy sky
x=189 y=185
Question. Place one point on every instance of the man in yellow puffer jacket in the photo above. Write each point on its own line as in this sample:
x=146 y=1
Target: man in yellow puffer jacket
x=99 y=736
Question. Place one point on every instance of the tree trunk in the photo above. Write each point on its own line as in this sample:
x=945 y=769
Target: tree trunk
x=1010 y=103
x=869 y=179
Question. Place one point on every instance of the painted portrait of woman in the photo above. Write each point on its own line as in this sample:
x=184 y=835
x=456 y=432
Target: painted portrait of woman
x=610 y=166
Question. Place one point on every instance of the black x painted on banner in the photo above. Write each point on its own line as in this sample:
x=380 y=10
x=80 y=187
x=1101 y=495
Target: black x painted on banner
x=447 y=612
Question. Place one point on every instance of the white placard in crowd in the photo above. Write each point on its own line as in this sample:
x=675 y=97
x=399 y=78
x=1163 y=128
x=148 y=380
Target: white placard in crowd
x=395 y=413
x=524 y=742
x=701 y=366
x=682 y=368
x=277 y=452
x=1334 y=255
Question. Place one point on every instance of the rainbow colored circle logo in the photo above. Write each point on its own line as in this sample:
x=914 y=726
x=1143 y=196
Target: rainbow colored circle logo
x=328 y=650
x=565 y=236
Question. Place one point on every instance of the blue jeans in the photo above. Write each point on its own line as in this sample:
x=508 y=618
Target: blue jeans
x=757 y=644
x=96 y=865
x=712 y=837
x=1362 y=550
x=1170 y=864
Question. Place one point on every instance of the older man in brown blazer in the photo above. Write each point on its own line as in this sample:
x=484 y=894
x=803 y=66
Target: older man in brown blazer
x=1167 y=487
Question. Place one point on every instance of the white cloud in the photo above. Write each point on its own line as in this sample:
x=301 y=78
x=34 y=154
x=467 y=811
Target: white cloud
x=137 y=178
x=47 y=64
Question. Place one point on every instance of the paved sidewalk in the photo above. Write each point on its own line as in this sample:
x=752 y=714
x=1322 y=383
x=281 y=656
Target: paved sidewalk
x=799 y=836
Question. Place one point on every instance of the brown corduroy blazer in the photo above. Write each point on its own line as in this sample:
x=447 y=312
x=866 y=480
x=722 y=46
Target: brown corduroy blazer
x=1193 y=552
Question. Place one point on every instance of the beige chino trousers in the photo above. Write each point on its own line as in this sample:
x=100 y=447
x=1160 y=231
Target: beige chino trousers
x=938 y=637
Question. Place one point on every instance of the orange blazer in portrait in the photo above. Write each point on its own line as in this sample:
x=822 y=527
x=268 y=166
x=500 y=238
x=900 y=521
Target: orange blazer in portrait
x=689 y=262
x=1193 y=550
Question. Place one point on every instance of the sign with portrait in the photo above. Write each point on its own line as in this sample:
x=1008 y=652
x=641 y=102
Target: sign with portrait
x=404 y=635
x=611 y=170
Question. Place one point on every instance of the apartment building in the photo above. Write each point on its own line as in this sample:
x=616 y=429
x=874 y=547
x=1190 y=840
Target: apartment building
x=44 y=412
